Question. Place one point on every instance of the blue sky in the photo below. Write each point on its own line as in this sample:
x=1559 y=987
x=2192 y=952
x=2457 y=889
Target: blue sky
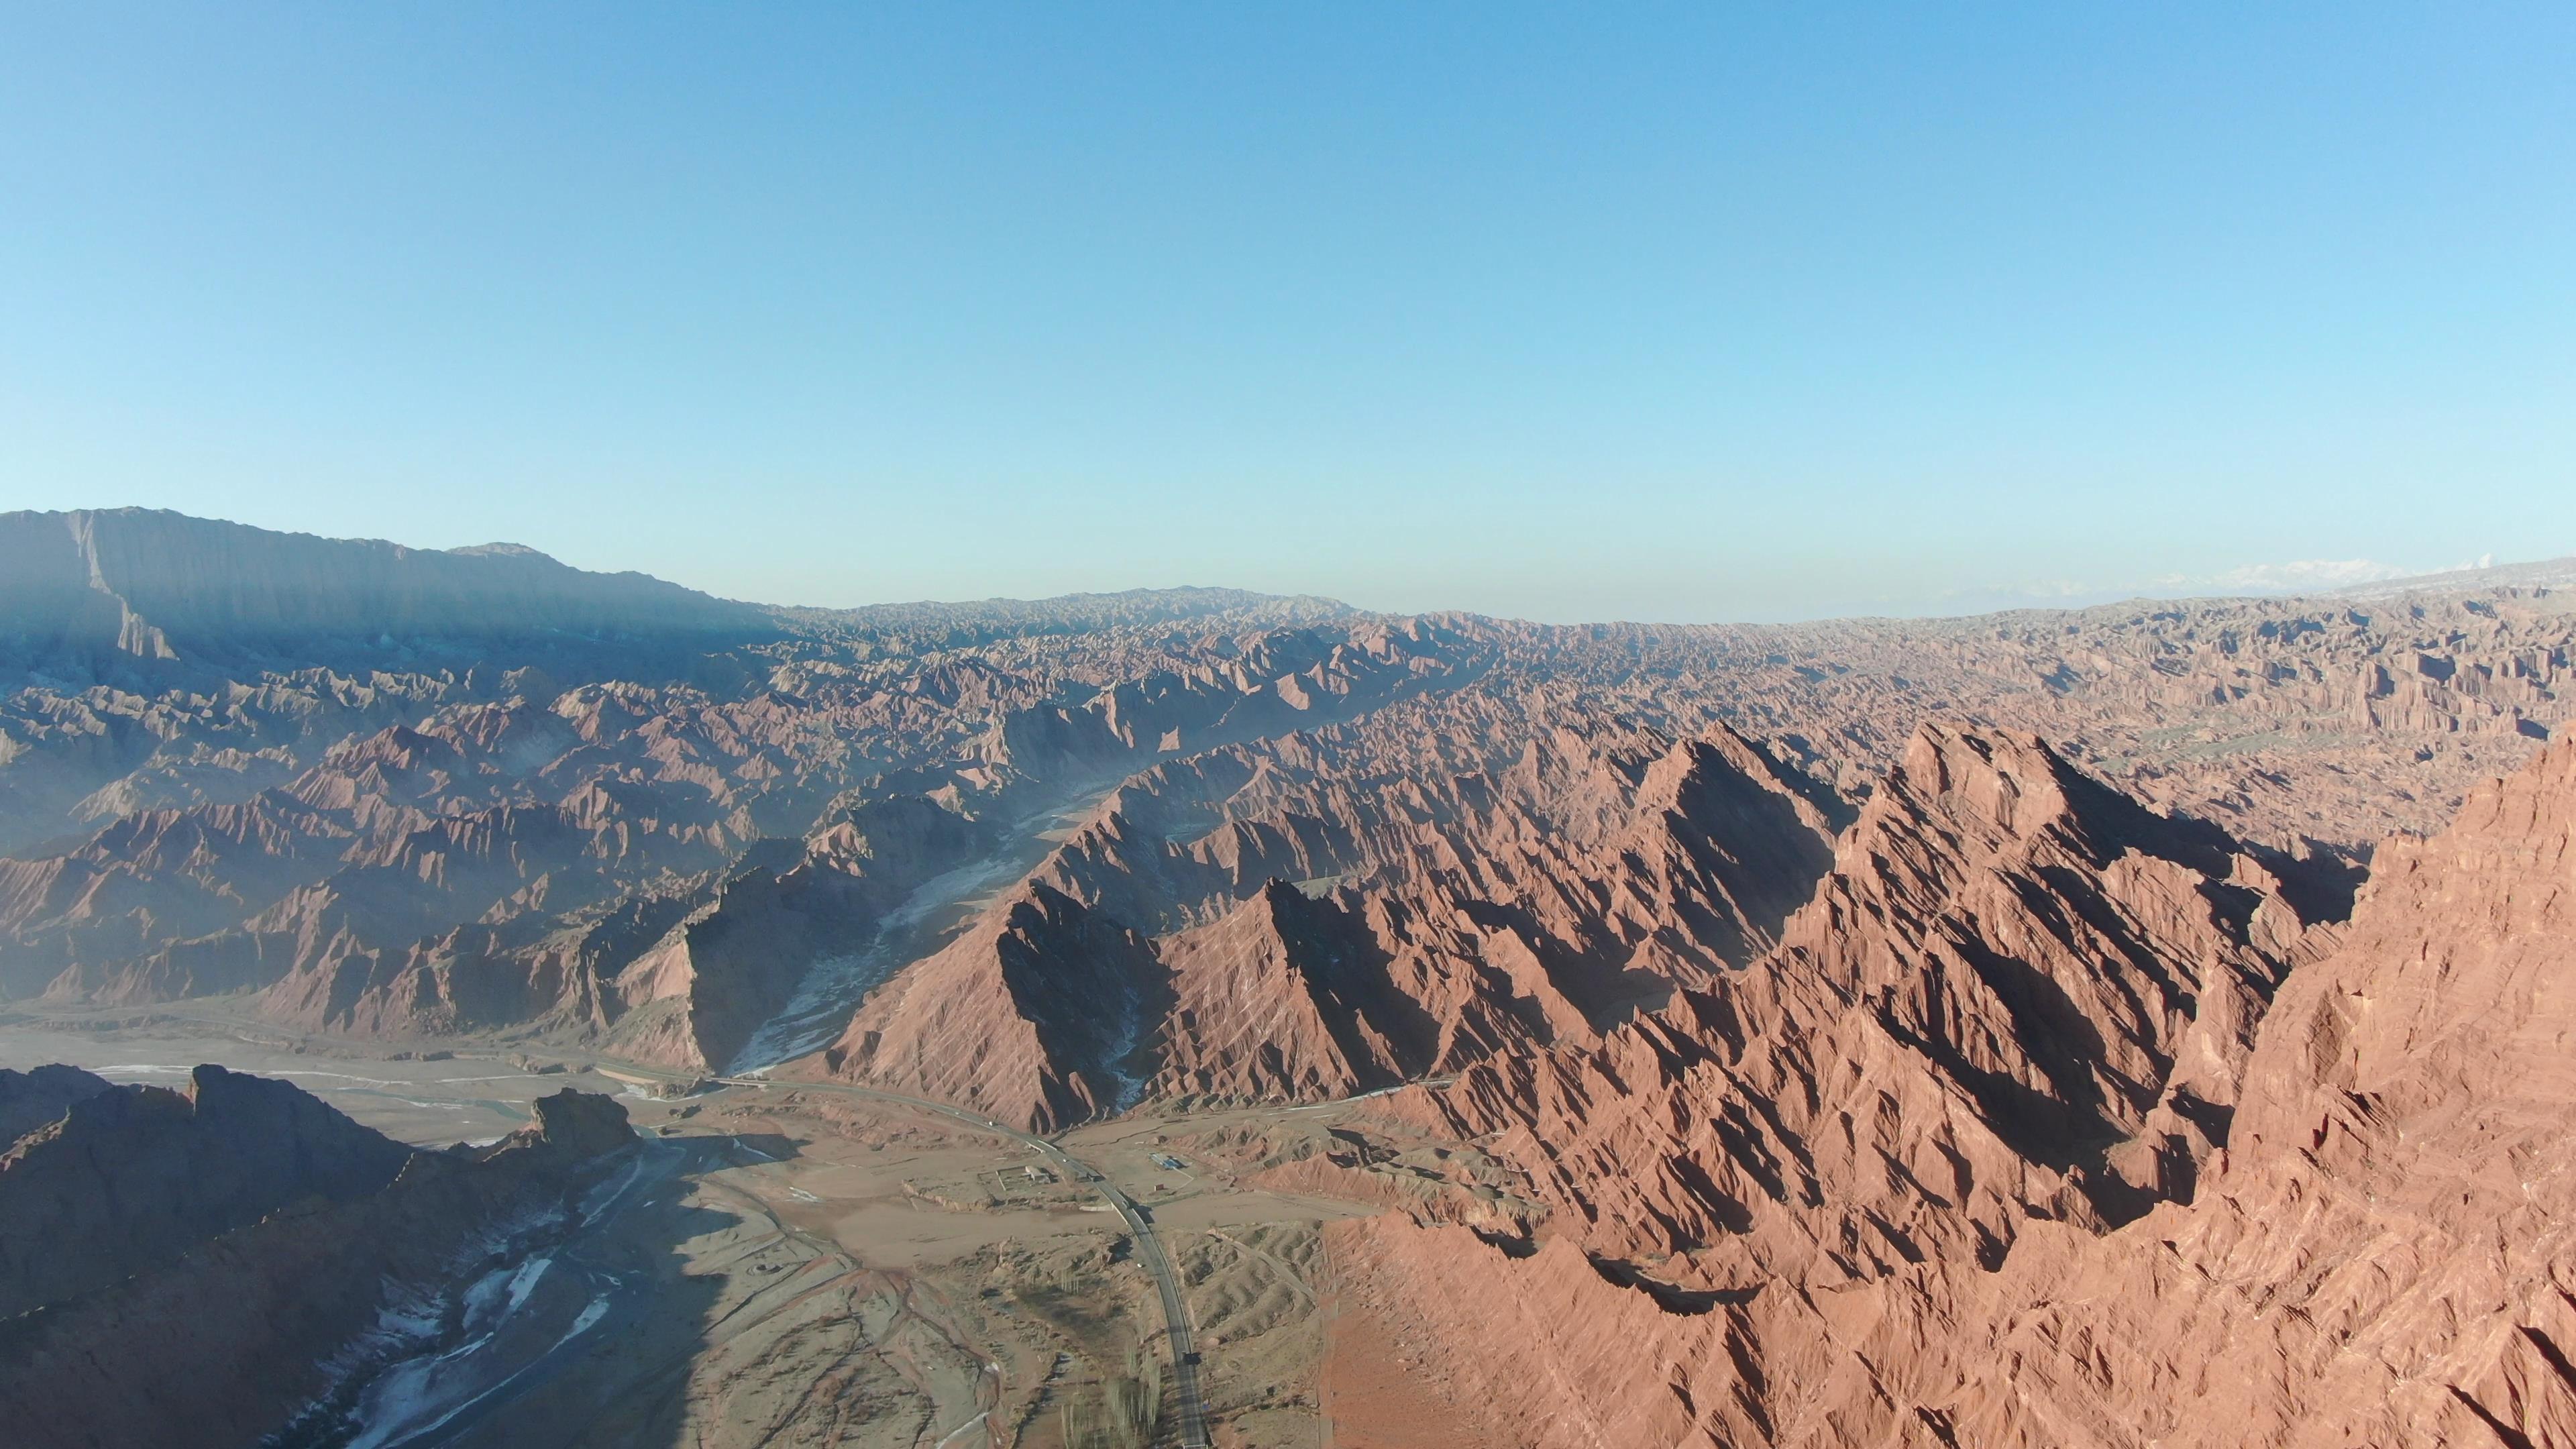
x=1667 y=312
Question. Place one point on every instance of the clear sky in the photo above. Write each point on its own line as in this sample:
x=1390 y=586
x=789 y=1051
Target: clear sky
x=1708 y=311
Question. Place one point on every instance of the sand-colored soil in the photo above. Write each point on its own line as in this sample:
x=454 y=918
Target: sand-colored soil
x=831 y=1271
x=461 y=1093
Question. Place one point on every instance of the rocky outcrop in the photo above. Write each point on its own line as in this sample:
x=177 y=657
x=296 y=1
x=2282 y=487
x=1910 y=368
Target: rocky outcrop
x=278 y=1320
x=2040 y=993
x=40 y=1096
x=2385 y=1256
x=1033 y=1016
x=1433 y=918
x=2372 y=1253
x=1542 y=900
x=2018 y=999
x=132 y=1178
x=570 y=1127
x=1287 y=997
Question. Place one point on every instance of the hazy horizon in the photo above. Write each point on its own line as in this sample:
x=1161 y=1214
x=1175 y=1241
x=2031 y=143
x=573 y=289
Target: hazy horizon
x=1668 y=317
x=2313 y=577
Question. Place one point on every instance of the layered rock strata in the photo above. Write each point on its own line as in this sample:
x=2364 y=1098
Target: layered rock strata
x=1840 y=1243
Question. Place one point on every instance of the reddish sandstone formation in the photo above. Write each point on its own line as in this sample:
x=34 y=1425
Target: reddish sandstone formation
x=1440 y=917
x=1287 y=997
x=2016 y=986
x=2375 y=1254
x=1032 y=1016
x=386 y=809
x=2019 y=997
x=1973 y=1122
x=2386 y=1257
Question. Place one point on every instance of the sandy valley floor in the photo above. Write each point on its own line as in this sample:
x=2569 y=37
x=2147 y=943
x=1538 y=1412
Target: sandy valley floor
x=802 y=1268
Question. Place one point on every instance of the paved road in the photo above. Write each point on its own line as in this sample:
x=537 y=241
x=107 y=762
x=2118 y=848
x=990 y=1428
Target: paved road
x=1140 y=1228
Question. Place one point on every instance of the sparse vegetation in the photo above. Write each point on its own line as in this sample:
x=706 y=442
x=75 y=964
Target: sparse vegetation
x=1120 y=1412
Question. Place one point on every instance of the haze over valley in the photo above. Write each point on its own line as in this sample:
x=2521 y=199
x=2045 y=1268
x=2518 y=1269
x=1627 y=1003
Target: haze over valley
x=1272 y=727
x=1405 y=983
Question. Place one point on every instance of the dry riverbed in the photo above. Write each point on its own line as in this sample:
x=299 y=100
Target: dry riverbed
x=803 y=1268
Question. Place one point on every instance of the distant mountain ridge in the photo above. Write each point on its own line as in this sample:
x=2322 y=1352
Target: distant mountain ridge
x=145 y=585
x=2555 y=573
x=1904 y=1033
x=136 y=585
x=946 y=623
x=100 y=593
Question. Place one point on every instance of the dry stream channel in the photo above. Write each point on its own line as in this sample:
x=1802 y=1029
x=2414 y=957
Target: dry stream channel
x=790 y=1265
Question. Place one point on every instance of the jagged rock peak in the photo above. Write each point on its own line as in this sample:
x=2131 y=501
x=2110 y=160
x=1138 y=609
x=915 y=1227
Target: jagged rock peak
x=579 y=1124
x=2009 y=779
x=2448 y=987
x=2376 y=1253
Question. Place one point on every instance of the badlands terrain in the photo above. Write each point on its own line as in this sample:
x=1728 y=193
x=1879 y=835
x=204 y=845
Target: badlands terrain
x=2137 y=1025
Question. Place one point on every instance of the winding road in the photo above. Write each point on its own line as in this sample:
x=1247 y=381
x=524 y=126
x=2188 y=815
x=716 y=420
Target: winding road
x=1140 y=1228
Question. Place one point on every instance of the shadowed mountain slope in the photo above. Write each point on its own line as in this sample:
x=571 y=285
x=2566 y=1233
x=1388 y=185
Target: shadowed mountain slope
x=133 y=1177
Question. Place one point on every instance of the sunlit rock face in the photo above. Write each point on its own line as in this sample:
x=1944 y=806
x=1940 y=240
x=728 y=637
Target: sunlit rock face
x=2342 y=1220
x=368 y=791
x=1869 y=1032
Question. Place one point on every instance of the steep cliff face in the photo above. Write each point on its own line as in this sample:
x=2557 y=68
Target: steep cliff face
x=2018 y=1000
x=131 y=1178
x=2040 y=994
x=2385 y=1257
x=1329 y=912
x=697 y=997
x=2375 y=1255
x=1541 y=901
x=1032 y=1016
x=1287 y=997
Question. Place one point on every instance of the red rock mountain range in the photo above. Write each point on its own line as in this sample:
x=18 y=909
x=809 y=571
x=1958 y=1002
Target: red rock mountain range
x=2084 y=1136
x=2135 y=1026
